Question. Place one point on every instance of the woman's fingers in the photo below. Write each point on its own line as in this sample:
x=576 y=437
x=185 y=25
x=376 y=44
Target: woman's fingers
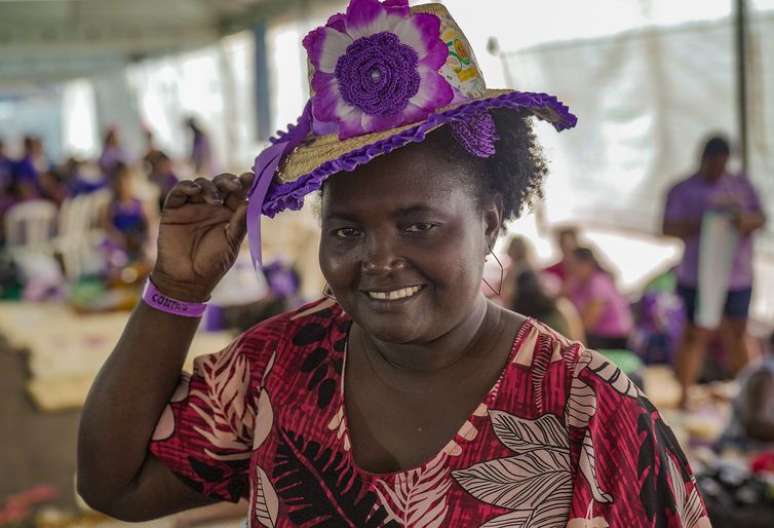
x=237 y=227
x=181 y=193
x=227 y=183
x=210 y=193
x=225 y=189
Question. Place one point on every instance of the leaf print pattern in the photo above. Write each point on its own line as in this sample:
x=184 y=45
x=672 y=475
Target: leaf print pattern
x=588 y=466
x=230 y=423
x=521 y=435
x=418 y=497
x=601 y=367
x=265 y=500
x=596 y=522
x=320 y=489
x=319 y=363
x=166 y=424
x=581 y=404
x=536 y=483
x=515 y=463
x=689 y=507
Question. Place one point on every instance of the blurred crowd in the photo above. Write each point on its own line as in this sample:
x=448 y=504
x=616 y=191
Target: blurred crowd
x=83 y=230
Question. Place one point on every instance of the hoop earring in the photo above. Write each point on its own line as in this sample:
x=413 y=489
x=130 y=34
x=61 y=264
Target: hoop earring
x=498 y=291
x=328 y=293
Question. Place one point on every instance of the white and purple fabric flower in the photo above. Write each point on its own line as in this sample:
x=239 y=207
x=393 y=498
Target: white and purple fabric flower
x=375 y=68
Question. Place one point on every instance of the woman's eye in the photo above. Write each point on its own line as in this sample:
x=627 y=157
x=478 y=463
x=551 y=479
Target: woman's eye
x=420 y=227
x=346 y=232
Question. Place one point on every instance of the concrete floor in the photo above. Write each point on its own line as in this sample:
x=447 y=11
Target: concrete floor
x=35 y=448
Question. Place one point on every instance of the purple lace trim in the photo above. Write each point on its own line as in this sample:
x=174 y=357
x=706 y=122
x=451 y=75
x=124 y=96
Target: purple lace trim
x=477 y=134
x=378 y=74
x=291 y=195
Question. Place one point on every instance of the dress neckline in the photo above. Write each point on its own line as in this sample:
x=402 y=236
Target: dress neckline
x=486 y=403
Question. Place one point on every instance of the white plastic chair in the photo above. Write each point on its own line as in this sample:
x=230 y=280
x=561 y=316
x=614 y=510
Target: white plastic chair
x=30 y=226
x=80 y=233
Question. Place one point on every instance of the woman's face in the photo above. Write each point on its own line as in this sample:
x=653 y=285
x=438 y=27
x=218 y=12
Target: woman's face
x=403 y=244
x=581 y=269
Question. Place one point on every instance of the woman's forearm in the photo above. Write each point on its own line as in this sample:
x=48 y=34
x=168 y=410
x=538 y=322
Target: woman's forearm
x=127 y=399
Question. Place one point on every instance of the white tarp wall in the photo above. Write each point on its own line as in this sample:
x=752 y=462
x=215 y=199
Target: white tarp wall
x=645 y=101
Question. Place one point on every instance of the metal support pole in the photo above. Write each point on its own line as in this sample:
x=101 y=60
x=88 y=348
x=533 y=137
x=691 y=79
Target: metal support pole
x=740 y=16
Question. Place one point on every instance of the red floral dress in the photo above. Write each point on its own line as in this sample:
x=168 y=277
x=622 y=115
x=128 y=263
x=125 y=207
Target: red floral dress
x=563 y=439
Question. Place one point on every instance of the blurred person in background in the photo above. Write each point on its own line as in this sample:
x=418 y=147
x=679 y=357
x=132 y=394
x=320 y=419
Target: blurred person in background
x=124 y=218
x=201 y=150
x=751 y=423
x=6 y=186
x=712 y=187
x=525 y=291
x=567 y=241
x=112 y=153
x=163 y=176
x=152 y=153
x=53 y=186
x=27 y=169
x=604 y=311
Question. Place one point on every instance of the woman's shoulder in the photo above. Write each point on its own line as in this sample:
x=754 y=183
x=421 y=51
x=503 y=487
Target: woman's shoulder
x=542 y=349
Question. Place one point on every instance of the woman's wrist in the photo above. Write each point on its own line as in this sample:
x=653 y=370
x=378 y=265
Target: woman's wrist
x=181 y=291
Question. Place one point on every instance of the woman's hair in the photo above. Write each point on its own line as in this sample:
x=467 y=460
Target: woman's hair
x=515 y=172
x=531 y=297
x=586 y=254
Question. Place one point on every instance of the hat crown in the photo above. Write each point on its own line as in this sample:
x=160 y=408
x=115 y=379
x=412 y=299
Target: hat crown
x=461 y=68
x=389 y=64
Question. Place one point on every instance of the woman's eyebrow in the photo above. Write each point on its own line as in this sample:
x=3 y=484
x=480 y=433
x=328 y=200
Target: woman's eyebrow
x=342 y=215
x=414 y=209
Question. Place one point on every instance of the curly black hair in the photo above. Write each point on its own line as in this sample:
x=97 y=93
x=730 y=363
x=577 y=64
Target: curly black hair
x=515 y=172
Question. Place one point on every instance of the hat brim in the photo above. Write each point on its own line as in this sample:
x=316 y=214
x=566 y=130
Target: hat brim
x=306 y=168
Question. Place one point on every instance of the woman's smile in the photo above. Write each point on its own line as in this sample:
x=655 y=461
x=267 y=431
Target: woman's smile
x=395 y=297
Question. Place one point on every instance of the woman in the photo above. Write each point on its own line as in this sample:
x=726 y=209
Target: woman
x=604 y=311
x=405 y=398
x=524 y=292
x=124 y=219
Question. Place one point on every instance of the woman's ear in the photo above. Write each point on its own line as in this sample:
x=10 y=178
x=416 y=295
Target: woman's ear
x=493 y=220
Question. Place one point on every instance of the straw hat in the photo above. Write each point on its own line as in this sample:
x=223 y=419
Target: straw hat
x=383 y=75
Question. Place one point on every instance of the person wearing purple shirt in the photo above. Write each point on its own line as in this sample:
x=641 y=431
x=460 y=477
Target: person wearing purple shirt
x=712 y=187
x=112 y=153
x=603 y=309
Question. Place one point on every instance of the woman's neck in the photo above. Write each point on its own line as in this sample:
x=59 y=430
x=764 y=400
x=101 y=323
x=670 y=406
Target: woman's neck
x=425 y=359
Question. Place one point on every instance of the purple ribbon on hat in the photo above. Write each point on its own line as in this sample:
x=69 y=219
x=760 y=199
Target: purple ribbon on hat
x=265 y=167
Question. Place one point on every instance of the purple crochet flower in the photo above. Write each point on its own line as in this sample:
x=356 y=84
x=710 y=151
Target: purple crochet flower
x=376 y=68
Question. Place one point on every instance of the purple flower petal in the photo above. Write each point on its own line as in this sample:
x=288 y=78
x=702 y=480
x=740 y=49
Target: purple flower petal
x=365 y=18
x=325 y=45
x=350 y=124
x=434 y=91
x=437 y=53
x=375 y=123
x=323 y=128
x=413 y=113
x=337 y=22
x=327 y=97
x=397 y=7
x=419 y=31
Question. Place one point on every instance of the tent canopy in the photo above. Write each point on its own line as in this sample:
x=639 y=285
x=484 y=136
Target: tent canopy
x=53 y=40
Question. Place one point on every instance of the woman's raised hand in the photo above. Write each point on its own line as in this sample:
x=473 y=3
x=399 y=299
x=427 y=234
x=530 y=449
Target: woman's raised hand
x=202 y=227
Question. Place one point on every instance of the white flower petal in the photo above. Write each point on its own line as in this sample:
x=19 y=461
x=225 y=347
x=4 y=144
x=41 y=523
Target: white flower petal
x=409 y=34
x=333 y=47
x=383 y=22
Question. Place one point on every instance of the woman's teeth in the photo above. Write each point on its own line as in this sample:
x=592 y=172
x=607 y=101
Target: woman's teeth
x=395 y=294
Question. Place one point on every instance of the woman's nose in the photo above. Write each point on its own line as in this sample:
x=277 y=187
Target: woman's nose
x=381 y=257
